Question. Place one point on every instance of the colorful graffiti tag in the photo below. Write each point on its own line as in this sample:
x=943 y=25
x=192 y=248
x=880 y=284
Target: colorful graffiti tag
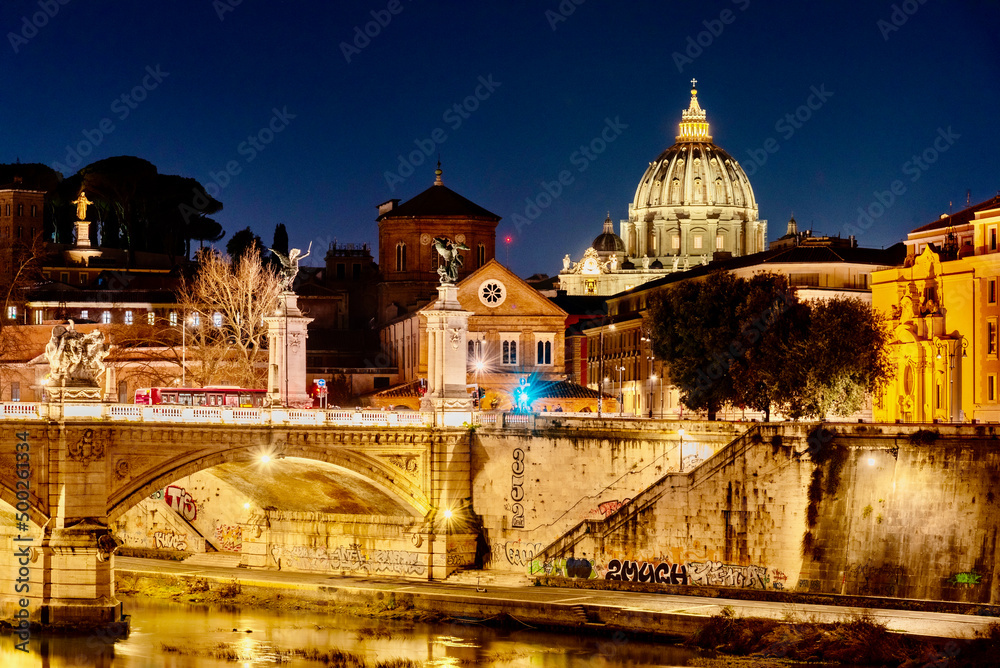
x=644 y=571
x=230 y=537
x=182 y=502
x=349 y=558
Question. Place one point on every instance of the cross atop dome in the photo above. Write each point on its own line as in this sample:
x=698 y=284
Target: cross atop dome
x=694 y=122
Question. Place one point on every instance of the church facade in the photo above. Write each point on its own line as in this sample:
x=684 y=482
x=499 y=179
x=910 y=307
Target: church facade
x=694 y=203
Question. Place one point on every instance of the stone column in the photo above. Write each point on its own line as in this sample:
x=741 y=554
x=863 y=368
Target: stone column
x=447 y=350
x=286 y=342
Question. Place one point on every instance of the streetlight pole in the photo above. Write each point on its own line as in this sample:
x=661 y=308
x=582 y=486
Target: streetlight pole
x=621 y=396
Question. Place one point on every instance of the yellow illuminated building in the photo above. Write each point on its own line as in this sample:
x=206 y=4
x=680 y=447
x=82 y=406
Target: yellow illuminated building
x=942 y=308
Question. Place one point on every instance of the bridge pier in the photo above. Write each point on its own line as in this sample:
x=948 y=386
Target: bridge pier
x=77 y=583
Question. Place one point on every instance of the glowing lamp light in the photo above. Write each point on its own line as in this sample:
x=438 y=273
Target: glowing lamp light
x=480 y=366
x=871 y=461
x=447 y=514
x=265 y=458
x=246 y=505
x=507 y=239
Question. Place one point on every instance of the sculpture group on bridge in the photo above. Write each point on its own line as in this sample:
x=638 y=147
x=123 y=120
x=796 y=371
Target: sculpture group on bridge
x=75 y=358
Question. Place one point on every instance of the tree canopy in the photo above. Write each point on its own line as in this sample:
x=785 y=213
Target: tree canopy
x=752 y=343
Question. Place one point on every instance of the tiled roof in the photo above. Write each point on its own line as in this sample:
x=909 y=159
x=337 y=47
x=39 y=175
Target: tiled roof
x=962 y=217
x=438 y=200
x=565 y=389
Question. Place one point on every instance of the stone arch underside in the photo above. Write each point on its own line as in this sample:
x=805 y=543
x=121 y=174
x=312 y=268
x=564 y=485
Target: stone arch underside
x=8 y=495
x=389 y=481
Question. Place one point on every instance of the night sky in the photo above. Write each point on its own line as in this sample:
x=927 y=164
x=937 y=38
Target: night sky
x=331 y=112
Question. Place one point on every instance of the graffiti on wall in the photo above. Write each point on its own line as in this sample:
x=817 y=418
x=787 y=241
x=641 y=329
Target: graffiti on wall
x=168 y=540
x=182 y=502
x=610 y=507
x=517 y=489
x=874 y=579
x=778 y=579
x=568 y=568
x=348 y=558
x=644 y=571
x=965 y=579
x=230 y=537
x=513 y=552
x=728 y=575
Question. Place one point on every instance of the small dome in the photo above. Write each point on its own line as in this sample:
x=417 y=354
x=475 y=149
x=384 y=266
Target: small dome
x=628 y=264
x=656 y=264
x=607 y=241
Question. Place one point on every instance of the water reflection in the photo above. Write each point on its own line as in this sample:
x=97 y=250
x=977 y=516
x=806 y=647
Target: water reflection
x=183 y=636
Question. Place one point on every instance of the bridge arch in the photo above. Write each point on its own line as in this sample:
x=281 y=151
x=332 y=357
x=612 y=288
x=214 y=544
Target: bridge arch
x=8 y=495
x=388 y=480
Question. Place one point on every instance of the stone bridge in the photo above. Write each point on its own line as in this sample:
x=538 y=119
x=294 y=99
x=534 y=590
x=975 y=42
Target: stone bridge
x=69 y=476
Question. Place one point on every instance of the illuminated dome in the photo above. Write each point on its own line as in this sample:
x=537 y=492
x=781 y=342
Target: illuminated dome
x=696 y=192
x=607 y=241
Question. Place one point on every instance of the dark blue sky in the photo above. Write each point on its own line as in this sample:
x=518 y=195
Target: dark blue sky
x=343 y=125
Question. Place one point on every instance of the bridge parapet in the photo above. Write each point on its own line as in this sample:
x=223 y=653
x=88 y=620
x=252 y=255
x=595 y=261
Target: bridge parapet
x=213 y=415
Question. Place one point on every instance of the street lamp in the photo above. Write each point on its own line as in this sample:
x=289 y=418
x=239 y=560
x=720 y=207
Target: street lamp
x=680 y=432
x=945 y=345
x=621 y=402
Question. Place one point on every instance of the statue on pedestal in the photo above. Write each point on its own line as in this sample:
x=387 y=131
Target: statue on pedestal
x=448 y=249
x=75 y=359
x=81 y=205
x=290 y=265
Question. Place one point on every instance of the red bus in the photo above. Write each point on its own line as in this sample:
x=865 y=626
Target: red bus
x=223 y=397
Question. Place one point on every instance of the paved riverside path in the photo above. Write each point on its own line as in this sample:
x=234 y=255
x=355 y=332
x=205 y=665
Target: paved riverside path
x=936 y=624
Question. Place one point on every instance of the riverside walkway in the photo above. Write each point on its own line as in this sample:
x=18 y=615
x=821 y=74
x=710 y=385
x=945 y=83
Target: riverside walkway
x=660 y=614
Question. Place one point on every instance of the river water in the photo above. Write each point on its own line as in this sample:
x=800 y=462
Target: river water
x=180 y=635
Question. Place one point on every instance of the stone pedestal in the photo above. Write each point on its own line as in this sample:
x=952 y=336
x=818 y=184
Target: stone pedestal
x=286 y=341
x=447 y=352
x=82 y=251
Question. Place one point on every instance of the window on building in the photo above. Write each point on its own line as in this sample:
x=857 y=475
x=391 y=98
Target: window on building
x=400 y=256
x=84 y=314
x=12 y=313
x=8 y=208
x=150 y=317
x=15 y=391
x=803 y=279
x=341 y=270
x=122 y=392
x=34 y=210
x=993 y=238
x=83 y=278
x=128 y=317
x=217 y=319
x=991 y=291
x=991 y=387
x=591 y=285
x=508 y=349
x=991 y=337
x=173 y=318
x=480 y=255
x=106 y=317
x=720 y=242
x=196 y=319
x=544 y=353
x=675 y=242
x=39 y=315
x=356 y=271
x=20 y=209
x=64 y=276
x=697 y=241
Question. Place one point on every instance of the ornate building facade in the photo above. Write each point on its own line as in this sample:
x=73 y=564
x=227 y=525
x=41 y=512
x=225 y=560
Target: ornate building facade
x=693 y=203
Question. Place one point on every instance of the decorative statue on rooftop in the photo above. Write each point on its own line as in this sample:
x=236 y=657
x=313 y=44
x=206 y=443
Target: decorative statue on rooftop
x=290 y=265
x=81 y=205
x=448 y=249
x=75 y=358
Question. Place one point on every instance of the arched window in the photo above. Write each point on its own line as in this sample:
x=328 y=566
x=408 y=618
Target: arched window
x=480 y=255
x=34 y=210
x=20 y=209
x=400 y=256
x=544 y=353
x=509 y=352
